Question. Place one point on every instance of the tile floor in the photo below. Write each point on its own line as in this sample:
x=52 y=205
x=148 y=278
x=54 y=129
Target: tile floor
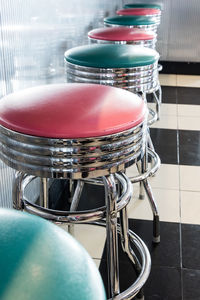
x=175 y=270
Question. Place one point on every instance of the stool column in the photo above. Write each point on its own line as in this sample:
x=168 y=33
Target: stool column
x=44 y=193
x=112 y=238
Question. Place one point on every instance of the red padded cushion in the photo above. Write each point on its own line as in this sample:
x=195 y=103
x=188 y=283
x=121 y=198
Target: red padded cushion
x=121 y=34
x=71 y=110
x=138 y=11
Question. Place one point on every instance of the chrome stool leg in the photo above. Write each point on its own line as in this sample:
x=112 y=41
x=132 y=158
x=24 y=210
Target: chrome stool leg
x=21 y=180
x=112 y=238
x=44 y=192
x=147 y=187
x=126 y=246
x=158 y=100
x=75 y=201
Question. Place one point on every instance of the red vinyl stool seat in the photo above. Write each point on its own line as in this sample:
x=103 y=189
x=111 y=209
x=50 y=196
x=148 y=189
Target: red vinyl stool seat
x=84 y=132
x=138 y=11
x=71 y=111
x=148 y=12
x=123 y=35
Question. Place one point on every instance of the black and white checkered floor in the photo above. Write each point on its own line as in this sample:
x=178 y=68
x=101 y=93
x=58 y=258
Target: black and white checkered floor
x=175 y=272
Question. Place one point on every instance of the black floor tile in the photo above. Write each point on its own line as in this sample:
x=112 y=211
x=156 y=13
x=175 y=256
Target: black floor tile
x=165 y=274
x=191 y=284
x=189 y=155
x=127 y=275
x=165 y=143
x=169 y=94
x=163 y=284
x=186 y=95
x=189 y=137
x=167 y=252
x=189 y=147
x=190 y=246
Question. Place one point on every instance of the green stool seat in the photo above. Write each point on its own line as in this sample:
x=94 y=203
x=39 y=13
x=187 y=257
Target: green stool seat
x=143 y=5
x=40 y=261
x=129 y=20
x=111 y=56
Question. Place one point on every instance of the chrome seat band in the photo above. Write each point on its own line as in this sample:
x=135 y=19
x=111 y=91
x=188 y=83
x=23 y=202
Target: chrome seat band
x=138 y=79
x=144 y=43
x=152 y=27
x=67 y=158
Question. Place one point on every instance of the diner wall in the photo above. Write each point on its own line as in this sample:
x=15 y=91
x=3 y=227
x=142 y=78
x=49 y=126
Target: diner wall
x=178 y=33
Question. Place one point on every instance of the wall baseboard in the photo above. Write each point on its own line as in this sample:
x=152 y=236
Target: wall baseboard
x=184 y=68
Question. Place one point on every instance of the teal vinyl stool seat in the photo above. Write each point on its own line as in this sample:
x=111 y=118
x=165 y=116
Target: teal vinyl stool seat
x=41 y=261
x=128 y=67
x=143 y=5
x=142 y=22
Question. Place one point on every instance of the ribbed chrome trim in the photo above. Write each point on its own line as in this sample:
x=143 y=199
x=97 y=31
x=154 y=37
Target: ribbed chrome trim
x=138 y=79
x=76 y=159
x=145 y=43
x=156 y=18
x=151 y=27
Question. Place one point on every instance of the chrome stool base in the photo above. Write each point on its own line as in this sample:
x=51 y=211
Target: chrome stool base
x=116 y=203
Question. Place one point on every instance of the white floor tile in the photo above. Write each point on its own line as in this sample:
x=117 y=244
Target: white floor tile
x=188 y=110
x=190 y=178
x=188 y=123
x=167 y=177
x=167 y=79
x=190 y=207
x=91 y=237
x=166 y=109
x=167 y=202
x=188 y=80
x=166 y=122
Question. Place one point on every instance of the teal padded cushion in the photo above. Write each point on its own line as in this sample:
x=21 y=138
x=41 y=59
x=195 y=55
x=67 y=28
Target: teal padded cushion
x=130 y=20
x=111 y=56
x=41 y=261
x=142 y=5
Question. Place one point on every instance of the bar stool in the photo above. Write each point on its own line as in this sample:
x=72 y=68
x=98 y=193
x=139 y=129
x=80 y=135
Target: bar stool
x=154 y=13
x=133 y=36
x=79 y=132
x=124 y=66
x=143 y=22
x=41 y=261
x=123 y=35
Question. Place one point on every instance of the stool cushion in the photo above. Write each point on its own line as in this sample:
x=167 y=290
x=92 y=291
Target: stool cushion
x=145 y=5
x=138 y=11
x=130 y=20
x=71 y=110
x=121 y=34
x=41 y=261
x=111 y=56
